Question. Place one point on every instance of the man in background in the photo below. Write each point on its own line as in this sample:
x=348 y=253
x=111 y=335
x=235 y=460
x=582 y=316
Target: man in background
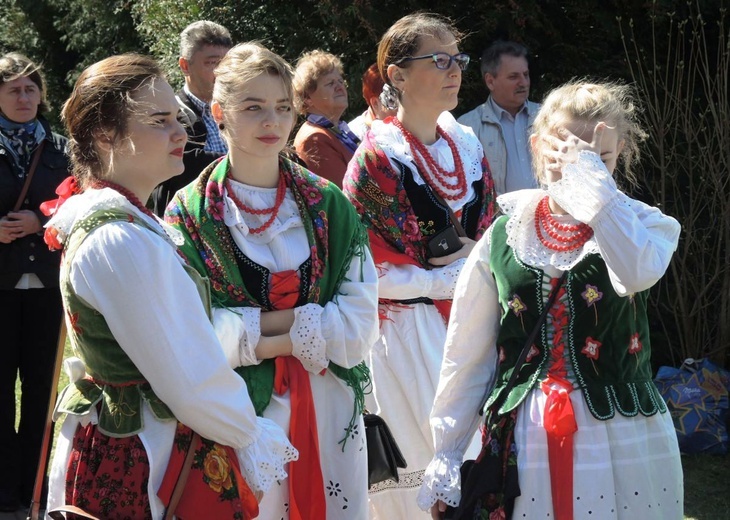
x=203 y=45
x=503 y=123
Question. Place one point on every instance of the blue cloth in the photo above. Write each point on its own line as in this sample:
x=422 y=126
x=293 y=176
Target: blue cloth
x=342 y=131
x=20 y=139
x=213 y=142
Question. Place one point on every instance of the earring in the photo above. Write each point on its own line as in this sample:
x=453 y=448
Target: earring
x=221 y=126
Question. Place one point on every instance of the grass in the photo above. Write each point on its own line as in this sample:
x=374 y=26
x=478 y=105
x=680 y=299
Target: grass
x=706 y=477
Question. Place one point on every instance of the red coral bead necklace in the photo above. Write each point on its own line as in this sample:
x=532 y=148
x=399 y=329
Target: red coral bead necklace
x=131 y=197
x=272 y=211
x=454 y=181
x=565 y=237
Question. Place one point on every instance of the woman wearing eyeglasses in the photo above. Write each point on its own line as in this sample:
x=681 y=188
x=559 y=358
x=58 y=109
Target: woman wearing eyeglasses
x=324 y=142
x=407 y=178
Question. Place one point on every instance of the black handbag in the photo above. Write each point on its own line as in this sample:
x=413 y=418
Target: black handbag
x=474 y=473
x=384 y=455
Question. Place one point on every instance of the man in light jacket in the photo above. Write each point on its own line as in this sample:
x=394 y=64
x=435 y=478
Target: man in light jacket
x=504 y=122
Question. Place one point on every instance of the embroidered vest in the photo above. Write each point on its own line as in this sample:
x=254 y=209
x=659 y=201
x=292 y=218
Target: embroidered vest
x=607 y=337
x=114 y=380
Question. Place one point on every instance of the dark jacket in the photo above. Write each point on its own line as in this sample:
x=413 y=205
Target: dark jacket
x=195 y=158
x=30 y=254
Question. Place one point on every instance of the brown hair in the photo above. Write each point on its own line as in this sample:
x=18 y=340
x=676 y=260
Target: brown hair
x=101 y=104
x=404 y=37
x=243 y=63
x=581 y=100
x=310 y=67
x=14 y=65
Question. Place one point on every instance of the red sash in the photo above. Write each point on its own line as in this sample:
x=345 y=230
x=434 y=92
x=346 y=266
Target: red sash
x=306 y=485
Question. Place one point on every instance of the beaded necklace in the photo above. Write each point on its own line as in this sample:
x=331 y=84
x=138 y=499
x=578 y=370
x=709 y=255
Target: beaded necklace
x=273 y=211
x=131 y=197
x=565 y=237
x=454 y=181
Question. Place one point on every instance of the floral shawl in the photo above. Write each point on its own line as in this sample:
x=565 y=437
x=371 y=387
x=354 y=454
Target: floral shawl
x=376 y=190
x=197 y=211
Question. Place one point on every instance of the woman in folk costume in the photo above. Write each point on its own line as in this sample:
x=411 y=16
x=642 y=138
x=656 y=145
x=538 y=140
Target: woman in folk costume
x=152 y=379
x=294 y=286
x=584 y=432
x=413 y=176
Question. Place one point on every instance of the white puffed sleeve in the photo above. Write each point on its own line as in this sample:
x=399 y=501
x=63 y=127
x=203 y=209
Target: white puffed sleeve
x=635 y=240
x=467 y=374
x=404 y=282
x=238 y=330
x=153 y=309
x=345 y=328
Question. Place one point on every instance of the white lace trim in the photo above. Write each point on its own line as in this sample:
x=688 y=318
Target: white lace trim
x=586 y=189
x=308 y=344
x=441 y=480
x=262 y=462
x=238 y=330
x=390 y=139
x=443 y=279
x=84 y=204
x=520 y=206
x=287 y=217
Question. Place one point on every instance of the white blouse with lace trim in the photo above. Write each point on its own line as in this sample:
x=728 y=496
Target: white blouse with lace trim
x=395 y=146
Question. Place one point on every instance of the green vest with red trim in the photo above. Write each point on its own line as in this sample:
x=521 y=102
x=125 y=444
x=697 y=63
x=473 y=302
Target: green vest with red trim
x=606 y=339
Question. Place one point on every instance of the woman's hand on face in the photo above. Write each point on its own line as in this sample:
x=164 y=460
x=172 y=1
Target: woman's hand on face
x=566 y=146
x=438 y=510
x=468 y=245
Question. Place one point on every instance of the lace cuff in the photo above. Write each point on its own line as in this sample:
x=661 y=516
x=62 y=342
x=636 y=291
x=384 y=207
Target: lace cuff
x=239 y=332
x=443 y=280
x=585 y=189
x=262 y=462
x=75 y=370
x=441 y=480
x=308 y=343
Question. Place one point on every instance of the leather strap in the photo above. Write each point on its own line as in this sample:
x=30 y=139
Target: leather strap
x=455 y=221
x=34 y=511
x=182 y=478
x=526 y=349
x=29 y=177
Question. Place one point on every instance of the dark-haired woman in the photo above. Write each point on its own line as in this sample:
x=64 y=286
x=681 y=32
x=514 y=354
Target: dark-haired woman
x=153 y=383
x=30 y=302
x=406 y=178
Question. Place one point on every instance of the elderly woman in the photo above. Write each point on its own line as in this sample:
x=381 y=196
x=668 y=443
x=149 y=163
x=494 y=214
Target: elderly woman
x=29 y=295
x=324 y=142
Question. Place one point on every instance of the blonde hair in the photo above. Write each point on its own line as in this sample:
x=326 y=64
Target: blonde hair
x=580 y=100
x=310 y=67
x=243 y=63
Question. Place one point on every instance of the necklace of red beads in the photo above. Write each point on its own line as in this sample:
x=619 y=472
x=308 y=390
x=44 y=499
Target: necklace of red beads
x=565 y=237
x=131 y=197
x=272 y=211
x=439 y=179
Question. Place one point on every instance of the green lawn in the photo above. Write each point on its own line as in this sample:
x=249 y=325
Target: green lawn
x=706 y=479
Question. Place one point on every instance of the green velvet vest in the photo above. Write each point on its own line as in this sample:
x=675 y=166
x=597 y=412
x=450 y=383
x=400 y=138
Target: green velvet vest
x=115 y=380
x=607 y=337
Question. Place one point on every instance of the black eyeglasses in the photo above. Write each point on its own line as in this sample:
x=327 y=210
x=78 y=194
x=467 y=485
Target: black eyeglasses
x=442 y=60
